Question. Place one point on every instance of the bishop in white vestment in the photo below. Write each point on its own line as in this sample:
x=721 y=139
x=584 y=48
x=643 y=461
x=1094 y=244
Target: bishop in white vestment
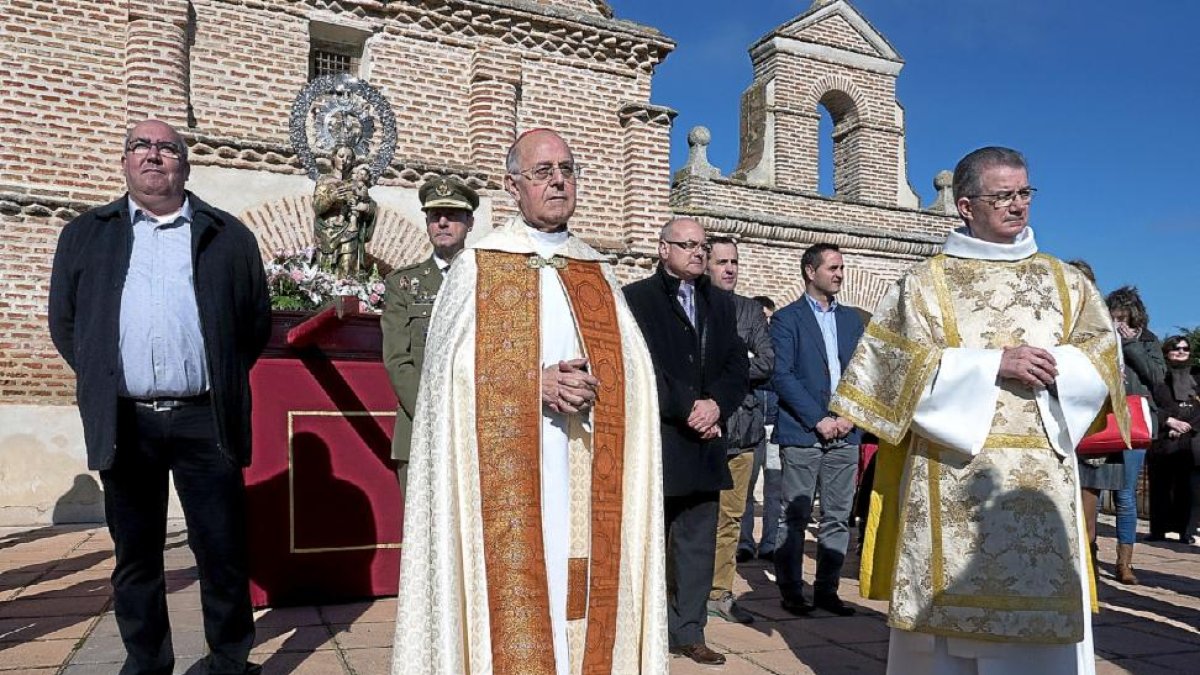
x=975 y=533
x=532 y=536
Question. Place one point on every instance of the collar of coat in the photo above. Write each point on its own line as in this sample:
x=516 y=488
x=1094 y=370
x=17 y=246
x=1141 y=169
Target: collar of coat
x=120 y=208
x=671 y=283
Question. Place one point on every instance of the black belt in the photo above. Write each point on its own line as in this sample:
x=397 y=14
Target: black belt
x=164 y=404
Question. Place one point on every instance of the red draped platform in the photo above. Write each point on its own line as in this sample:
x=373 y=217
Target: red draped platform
x=324 y=505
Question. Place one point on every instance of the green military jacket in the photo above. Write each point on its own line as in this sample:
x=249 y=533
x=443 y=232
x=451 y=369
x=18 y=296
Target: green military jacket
x=408 y=304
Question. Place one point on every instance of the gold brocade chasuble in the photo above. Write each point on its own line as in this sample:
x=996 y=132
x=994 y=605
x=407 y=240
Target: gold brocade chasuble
x=984 y=546
x=508 y=420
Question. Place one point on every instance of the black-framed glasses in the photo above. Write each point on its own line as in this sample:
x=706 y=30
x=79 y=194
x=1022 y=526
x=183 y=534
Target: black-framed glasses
x=141 y=147
x=1180 y=348
x=1003 y=200
x=544 y=172
x=691 y=245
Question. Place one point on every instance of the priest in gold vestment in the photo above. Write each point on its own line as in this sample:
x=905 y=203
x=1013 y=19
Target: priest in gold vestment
x=980 y=371
x=533 y=525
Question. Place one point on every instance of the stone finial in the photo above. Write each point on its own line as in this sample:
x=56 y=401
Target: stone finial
x=943 y=182
x=821 y=3
x=697 y=162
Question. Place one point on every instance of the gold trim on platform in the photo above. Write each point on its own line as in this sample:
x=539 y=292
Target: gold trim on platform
x=291 y=415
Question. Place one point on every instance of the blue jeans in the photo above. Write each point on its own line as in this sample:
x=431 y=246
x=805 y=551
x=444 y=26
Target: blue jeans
x=1127 y=497
x=771 y=503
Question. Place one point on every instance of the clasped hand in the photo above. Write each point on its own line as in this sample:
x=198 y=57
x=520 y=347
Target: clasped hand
x=1031 y=366
x=704 y=417
x=832 y=428
x=1178 y=427
x=567 y=386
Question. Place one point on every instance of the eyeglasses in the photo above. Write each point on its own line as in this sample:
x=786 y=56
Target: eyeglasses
x=141 y=147
x=1180 y=348
x=691 y=245
x=544 y=172
x=1002 y=200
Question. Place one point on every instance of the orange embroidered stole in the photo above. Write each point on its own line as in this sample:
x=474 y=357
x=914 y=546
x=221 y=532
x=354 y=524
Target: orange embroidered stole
x=508 y=426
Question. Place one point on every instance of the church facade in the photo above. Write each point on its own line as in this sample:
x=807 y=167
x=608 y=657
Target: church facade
x=463 y=77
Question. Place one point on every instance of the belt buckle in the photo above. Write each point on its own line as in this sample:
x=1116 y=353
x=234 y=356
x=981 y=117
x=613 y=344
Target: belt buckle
x=160 y=405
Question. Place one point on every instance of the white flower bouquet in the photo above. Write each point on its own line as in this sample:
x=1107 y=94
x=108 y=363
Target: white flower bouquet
x=296 y=283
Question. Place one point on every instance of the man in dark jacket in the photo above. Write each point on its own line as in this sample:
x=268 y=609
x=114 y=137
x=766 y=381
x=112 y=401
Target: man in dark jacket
x=701 y=369
x=159 y=304
x=814 y=338
x=743 y=430
x=766 y=463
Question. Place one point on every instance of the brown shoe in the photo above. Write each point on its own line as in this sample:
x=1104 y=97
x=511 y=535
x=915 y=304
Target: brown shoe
x=1125 y=573
x=700 y=653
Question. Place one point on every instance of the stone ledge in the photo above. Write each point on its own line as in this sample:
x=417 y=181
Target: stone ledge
x=40 y=205
x=522 y=23
x=247 y=153
x=777 y=229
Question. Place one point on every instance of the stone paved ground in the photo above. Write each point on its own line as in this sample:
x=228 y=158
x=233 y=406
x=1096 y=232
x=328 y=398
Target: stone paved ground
x=55 y=617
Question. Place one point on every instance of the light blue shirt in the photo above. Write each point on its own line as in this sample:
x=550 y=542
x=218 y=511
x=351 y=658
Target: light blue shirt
x=161 y=346
x=827 y=320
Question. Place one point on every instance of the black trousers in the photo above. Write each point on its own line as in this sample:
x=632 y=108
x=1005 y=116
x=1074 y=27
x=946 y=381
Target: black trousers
x=1170 y=490
x=691 y=529
x=151 y=444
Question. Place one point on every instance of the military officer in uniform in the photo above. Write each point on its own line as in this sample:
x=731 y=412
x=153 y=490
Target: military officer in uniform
x=449 y=208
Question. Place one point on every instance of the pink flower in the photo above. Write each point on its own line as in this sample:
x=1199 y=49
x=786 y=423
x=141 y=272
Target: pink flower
x=374 y=298
x=297 y=276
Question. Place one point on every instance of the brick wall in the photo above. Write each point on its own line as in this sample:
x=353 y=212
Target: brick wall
x=463 y=77
x=249 y=61
x=30 y=369
x=62 y=92
x=866 y=138
x=694 y=195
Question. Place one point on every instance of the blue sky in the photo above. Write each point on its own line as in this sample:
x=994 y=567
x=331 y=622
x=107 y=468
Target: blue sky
x=1103 y=97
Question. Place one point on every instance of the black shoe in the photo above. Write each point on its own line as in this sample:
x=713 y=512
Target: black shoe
x=769 y=556
x=796 y=606
x=744 y=555
x=833 y=604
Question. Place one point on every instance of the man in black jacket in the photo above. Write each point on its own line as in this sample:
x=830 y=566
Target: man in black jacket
x=159 y=304
x=743 y=431
x=701 y=369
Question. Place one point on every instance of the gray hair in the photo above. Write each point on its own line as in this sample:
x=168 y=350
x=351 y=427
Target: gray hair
x=970 y=168
x=512 y=164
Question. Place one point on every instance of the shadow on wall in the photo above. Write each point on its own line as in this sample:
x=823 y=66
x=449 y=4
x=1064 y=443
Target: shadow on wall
x=83 y=503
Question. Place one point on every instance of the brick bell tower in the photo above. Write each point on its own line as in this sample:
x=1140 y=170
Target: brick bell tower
x=830 y=57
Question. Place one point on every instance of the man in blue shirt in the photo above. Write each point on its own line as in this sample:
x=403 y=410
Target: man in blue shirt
x=814 y=338
x=159 y=304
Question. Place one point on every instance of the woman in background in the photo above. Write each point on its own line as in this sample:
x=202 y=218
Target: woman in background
x=1144 y=369
x=1096 y=472
x=1173 y=462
